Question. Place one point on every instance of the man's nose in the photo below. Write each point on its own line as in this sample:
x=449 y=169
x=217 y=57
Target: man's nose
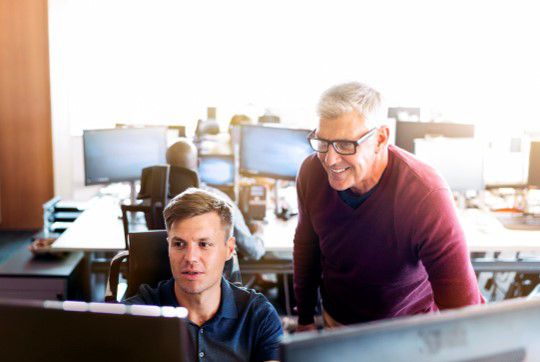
x=192 y=252
x=331 y=157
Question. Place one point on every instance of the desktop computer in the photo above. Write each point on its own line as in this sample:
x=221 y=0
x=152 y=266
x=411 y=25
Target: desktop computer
x=217 y=170
x=274 y=152
x=119 y=154
x=78 y=331
x=503 y=331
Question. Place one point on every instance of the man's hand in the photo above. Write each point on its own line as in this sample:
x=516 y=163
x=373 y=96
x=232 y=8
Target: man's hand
x=306 y=327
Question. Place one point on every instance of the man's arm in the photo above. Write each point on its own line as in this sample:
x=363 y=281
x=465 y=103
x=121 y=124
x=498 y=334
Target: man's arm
x=442 y=248
x=249 y=244
x=307 y=263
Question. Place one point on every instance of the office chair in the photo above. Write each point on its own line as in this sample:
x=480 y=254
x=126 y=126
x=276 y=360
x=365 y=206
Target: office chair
x=180 y=179
x=148 y=263
x=154 y=192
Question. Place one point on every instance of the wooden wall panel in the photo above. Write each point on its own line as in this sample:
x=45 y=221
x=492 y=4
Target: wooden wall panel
x=26 y=168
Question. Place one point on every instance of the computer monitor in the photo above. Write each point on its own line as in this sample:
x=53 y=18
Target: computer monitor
x=407 y=132
x=78 y=331
x=216 y=170
x=119 y=154
x=534 y=165
x=502 y=331
x=460 y=161
x=274 y=152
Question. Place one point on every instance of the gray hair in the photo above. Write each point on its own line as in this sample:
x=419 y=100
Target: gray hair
x=194 y=202
x=348 y=97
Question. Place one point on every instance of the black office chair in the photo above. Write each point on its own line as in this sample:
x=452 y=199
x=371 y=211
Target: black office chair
x=148 y=263
x=154 y=192
x=180 y=179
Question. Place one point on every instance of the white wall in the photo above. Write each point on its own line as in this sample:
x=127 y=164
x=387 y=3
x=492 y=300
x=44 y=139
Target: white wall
x=165 y=61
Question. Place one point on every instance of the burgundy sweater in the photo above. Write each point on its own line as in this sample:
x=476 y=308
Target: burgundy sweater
x=401 y=252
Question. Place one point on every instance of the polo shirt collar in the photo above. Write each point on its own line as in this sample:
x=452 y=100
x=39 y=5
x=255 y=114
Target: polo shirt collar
x=227 y=305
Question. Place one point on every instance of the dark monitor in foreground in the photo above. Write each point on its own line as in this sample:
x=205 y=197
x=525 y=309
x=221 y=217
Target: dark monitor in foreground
x=407 y=132
x=77 y=331
x=534 y=165
x=119 y=154
x=216 y=170
x=274 y=152
x=503 y=331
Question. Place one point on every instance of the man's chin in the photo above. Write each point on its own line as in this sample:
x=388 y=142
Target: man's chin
x=338 y=185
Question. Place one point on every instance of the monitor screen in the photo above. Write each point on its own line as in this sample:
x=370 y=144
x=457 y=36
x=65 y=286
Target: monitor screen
x=119 y=154
x=216 y=170
x=78 y=331
x=502 y=331
x=272 y=151
x=460 y=161
x=407 y=132
x=534 y=164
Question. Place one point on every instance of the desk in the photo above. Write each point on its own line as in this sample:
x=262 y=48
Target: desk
x=26 y=277
x=483 y=232
x=98 y=229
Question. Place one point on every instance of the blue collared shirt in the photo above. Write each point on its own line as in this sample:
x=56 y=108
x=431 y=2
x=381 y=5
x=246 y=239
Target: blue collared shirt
x=246 y=326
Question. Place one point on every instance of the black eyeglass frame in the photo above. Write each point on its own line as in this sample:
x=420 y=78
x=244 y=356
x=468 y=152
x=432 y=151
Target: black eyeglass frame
x=365 y=137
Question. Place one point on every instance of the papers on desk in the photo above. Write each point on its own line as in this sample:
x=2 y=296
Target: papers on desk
x=484 y=232
x=482 y=221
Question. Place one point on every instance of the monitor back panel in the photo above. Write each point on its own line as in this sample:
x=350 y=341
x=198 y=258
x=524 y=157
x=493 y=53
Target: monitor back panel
x=34 y=333
x=504 y=331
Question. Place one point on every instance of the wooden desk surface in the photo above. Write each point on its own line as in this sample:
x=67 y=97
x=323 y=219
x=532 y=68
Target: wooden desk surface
x=24 y=264
x=99 y=228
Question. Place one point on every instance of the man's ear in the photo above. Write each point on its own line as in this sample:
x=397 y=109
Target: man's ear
x=230 y=244
x=383 y=135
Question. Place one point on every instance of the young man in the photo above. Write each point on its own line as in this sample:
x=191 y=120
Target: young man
x=377 y=229
x=226 y=322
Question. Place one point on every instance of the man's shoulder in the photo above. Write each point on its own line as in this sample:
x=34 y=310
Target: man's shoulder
x=249 y=300
x=311 y=171
x=148 y=295
x=412 y=171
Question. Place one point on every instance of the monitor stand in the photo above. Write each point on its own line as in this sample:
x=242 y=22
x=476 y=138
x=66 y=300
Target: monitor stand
x=132 y=192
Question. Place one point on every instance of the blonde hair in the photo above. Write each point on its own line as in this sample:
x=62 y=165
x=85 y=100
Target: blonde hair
x=194 y=202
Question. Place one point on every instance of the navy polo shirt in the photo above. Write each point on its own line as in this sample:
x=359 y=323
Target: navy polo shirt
x=246 y=326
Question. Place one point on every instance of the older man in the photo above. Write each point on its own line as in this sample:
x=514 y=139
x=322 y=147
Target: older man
x=227 y=323
x=377 y=229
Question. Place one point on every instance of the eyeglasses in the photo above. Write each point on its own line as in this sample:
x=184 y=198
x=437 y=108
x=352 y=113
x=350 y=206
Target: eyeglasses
x=343 y=147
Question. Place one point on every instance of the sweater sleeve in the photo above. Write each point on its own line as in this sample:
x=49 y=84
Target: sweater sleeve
x=442 y=248
x=307 y=266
